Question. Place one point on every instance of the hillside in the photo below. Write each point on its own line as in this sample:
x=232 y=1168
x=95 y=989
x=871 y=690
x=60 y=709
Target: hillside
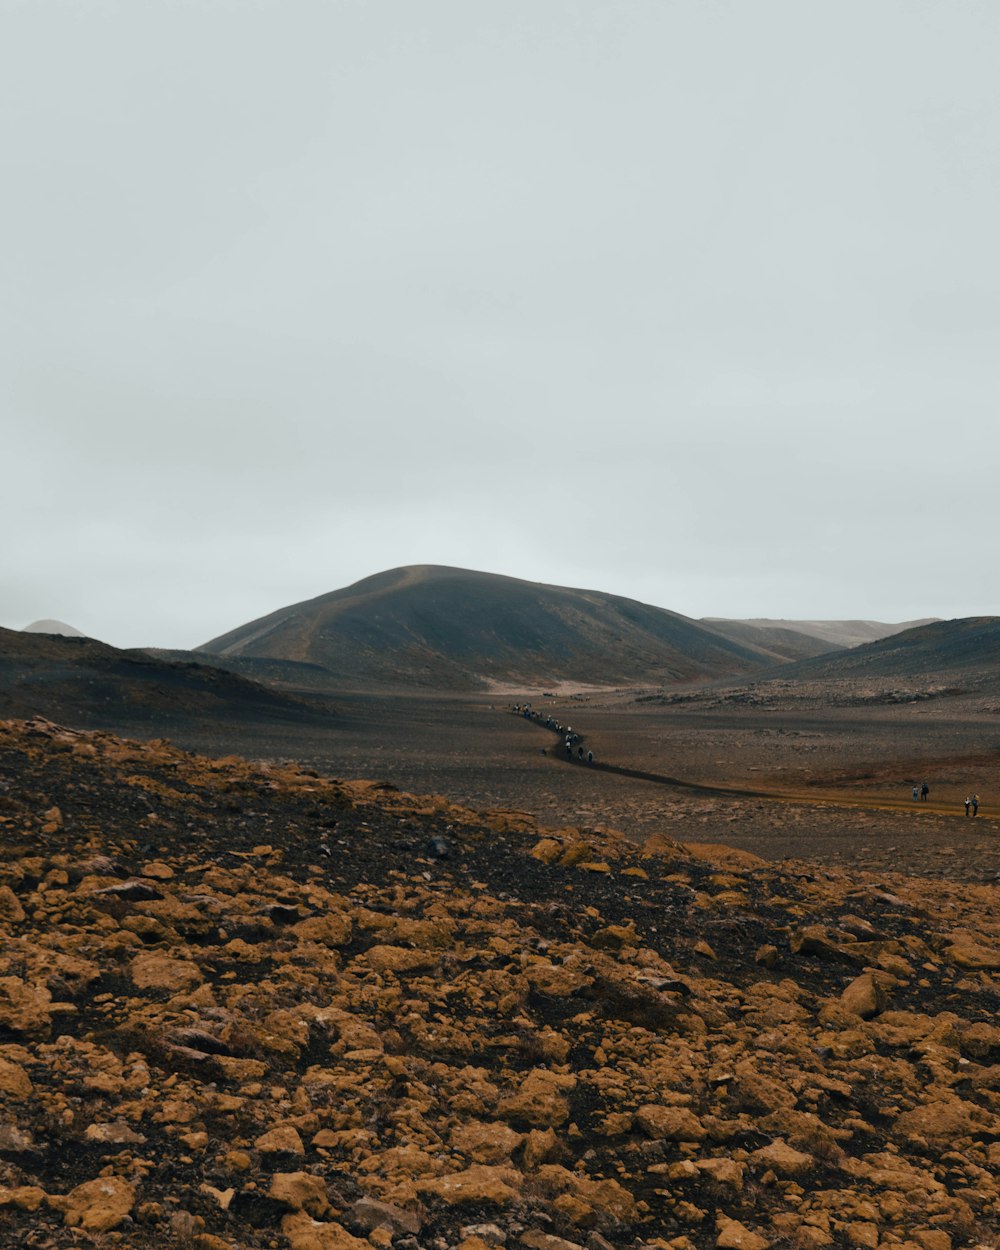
x=245 y=1008
x=456 y=629
x=965 y=650
x=90 y=684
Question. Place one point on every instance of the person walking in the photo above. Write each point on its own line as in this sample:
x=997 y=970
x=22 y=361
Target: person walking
x=975 y=805
x=924 y=791
x=968 y=804
x=916 y=793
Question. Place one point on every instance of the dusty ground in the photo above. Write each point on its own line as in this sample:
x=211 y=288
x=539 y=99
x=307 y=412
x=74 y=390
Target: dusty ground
x=799 y=777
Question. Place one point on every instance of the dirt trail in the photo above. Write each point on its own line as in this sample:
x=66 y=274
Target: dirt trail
x=816 y=798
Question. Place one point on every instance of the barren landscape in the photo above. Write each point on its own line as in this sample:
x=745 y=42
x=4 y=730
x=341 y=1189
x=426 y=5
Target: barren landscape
x=304 y=967
x=506 y=750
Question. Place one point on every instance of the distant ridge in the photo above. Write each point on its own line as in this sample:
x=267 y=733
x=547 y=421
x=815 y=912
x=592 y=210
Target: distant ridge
x=438 y=627
x=825 y=635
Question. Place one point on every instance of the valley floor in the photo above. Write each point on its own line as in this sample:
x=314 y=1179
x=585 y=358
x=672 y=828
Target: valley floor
x=827 y=784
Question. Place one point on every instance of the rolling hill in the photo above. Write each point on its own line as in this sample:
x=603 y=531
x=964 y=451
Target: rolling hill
x=79 y=681
x=436 y=627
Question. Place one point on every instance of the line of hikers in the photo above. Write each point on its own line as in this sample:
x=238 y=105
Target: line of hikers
x=570 y=739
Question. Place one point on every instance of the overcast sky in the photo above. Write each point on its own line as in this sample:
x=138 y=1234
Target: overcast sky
x=697 y=303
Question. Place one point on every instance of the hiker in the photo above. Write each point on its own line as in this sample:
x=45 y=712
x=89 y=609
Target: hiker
x=975 y=805
x=968 y=801
x=916 y=793
x=924 y=791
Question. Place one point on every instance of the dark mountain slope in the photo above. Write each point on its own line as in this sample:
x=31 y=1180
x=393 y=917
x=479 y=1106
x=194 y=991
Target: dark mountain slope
x=453 y=628
x=89 y=684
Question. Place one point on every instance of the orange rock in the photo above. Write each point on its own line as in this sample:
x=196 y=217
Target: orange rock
x=476 y=1184
x=153 y=971
x=732 y=1235
x=781 y=1158
x=97 y=1206
x=399 y=959
x=540 y=1101
x=866 y=996
x=11 y=911
x=25 y=1009
x=333 y=929
x=305 y=1233
x=486 y=1143
x=24 y=1197
x=14 y=1081
x=281 y=1140
x=301 y=1191
x=669 y=1123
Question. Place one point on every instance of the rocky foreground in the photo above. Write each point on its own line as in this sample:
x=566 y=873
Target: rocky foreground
x=246 y=1006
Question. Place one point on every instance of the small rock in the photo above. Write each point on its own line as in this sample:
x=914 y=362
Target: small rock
x=367 y=1214
x=736 y=1236
x=97 y=1206
x=301 y=1192
x=282 y=1140
x=865 y=996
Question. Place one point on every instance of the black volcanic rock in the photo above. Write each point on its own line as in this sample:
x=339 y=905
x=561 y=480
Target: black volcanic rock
x=453 y=628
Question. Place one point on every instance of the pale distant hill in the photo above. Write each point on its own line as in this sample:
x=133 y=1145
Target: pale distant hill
x=57 y=628
x=447 y=628
x=783 y=645
x=828 y=635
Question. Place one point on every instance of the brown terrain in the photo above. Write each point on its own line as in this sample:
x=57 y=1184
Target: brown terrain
x=245 y=1006
x=727 y=985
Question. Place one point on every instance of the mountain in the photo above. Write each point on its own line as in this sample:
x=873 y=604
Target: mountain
x=968 y=649
x=82 y=682
x=822 y=635
x=447 y=628
x=53 y=627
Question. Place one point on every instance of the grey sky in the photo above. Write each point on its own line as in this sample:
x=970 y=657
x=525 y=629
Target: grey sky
x=693 y=302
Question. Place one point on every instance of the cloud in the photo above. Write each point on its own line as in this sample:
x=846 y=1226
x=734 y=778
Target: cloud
x=698 y=305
